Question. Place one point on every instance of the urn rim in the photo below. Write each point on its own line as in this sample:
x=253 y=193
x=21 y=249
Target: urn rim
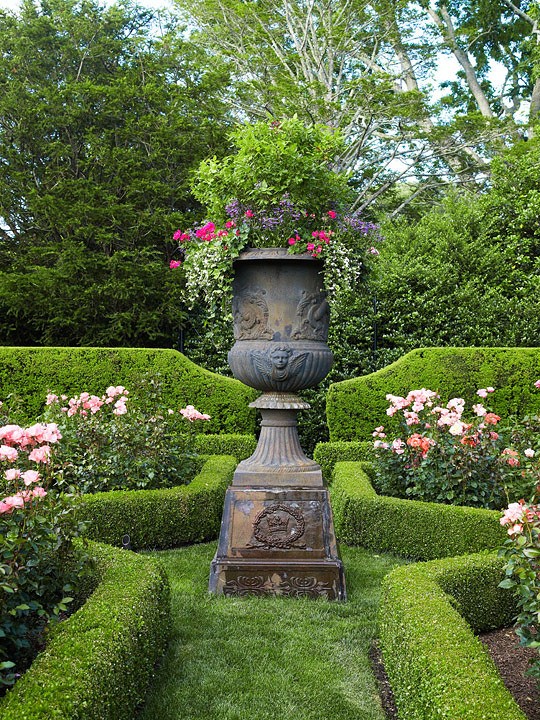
x=275 y=253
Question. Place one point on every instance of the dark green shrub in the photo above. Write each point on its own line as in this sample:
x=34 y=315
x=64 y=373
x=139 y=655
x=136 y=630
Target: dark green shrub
x=239 y=446
x=99 y=662
x=328 y=454
x=436 y=667
x=423 y=531
x=30 y=373
x=161 y=518
x=356 y=407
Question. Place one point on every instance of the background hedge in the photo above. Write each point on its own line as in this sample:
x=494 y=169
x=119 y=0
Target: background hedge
x=328 y=454
x=410 y=528
x=437 y=668
x=355 y=407
x=161 y=518
x=99 y=662
x=30 y=373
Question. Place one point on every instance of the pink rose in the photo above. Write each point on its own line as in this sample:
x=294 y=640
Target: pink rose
x=529 y=452
x=30 y=476
x=12 y=474
x=8 y=453
x=191 y=414
x=482 y=392
x=14 y=501
x=40 y=454
x=174 y=264
x=512 y=514
x=537 y=384
x=39 y=492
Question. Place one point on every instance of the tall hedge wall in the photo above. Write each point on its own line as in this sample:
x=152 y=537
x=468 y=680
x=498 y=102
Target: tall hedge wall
x=30 y=373
x=355 y=407
x=98 y=663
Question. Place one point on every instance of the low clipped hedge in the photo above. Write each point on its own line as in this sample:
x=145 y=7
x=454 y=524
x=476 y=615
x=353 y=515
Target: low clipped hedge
x=240 y=446
x=99 y=662
x=161 y=518
x=436 y=666
x=355 y=407
x=329 y=453
x=29 y=373
x=410 y=528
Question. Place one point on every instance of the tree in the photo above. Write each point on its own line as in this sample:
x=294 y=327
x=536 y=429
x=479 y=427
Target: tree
x=103 y=114
x=367 y=68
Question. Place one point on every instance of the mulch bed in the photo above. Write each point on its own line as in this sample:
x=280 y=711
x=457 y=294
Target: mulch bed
x=510 y=658
x=512 y=661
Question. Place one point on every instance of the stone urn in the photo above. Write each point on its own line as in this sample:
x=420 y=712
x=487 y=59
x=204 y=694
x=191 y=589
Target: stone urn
x=277 y=535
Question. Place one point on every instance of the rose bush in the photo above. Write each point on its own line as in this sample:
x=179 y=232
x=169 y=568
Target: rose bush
x=111 y=442
x=522 y=555
x=441 y=455
x=38 y=567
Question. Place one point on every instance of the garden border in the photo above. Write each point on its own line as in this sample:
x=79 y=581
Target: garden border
x=438 y=669
x=355 y=407
x=99 y=662
x=410 y=528
x=158 y=519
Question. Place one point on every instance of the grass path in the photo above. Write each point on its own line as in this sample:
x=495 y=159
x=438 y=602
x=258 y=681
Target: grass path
x=267 y=659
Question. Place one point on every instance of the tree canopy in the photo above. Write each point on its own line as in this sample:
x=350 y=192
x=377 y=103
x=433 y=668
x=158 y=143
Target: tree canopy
x=103 y=114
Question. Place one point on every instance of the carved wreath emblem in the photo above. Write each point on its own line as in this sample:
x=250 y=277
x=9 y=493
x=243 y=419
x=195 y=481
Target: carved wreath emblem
x=279 y=526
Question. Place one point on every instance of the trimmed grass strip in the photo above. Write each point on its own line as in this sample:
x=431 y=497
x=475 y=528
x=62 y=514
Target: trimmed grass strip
x=262 y=658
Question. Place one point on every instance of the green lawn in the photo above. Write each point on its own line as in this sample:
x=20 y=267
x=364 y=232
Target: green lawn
x=258 y=658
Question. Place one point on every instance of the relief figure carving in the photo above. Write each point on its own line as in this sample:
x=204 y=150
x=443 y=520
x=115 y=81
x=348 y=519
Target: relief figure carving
x=313 y=312
x=250 y=312
x=279 y=363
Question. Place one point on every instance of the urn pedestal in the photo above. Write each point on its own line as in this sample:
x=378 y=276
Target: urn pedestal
x=277 y=532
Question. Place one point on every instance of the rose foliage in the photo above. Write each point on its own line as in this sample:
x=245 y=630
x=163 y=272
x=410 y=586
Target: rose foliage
x=113 y=442
x=442 y=455
x=522 y=555
x=38 y=566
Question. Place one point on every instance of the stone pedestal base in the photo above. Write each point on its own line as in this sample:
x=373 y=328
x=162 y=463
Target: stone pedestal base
x=278 y=541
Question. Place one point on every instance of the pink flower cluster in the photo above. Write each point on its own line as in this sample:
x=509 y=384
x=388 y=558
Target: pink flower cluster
x=519 y=514
x=84 y=403
x=191 y=414
x=25 y=445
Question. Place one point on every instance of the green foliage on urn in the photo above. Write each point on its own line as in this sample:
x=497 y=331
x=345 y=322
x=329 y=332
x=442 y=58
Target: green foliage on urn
x=272 y=160
x=355 y=407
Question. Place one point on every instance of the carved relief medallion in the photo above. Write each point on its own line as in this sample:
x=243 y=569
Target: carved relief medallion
x=313 y=312
x=279 y=526
x=250 y=312
x=278 y=363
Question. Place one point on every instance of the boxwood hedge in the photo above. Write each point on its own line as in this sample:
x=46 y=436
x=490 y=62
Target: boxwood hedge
x=355 y=407
x=99 y=662
x=30 y=373
x=419 y=530
x=436 y=666
x=161 y=518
